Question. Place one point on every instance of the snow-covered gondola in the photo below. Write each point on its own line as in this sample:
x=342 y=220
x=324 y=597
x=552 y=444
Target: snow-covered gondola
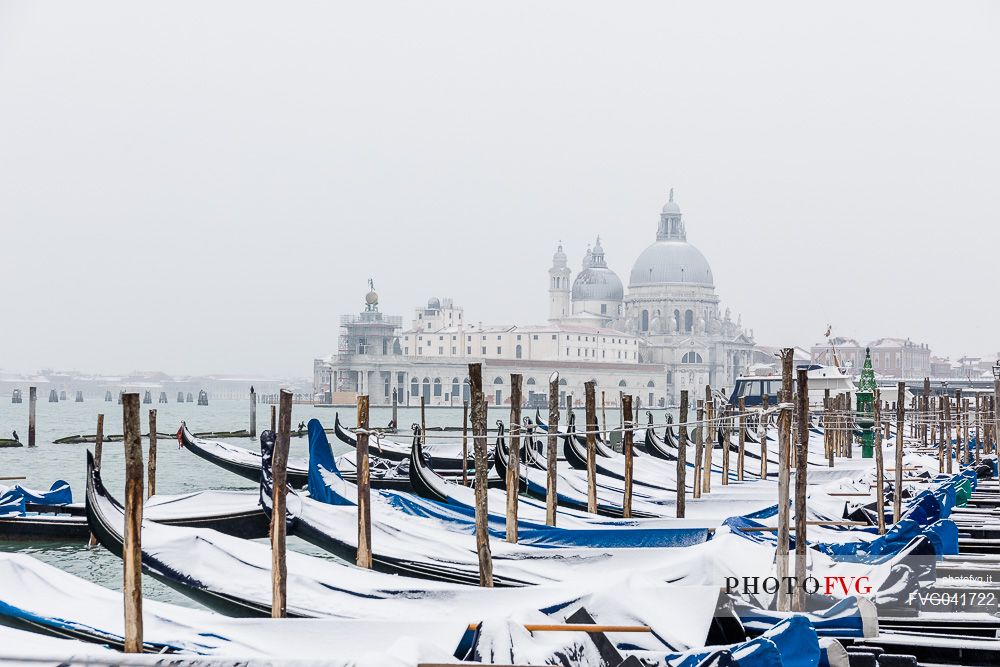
x=232 y=512
x=603 y=449
x=239 y=460
x=233 y=576
x=398 y=452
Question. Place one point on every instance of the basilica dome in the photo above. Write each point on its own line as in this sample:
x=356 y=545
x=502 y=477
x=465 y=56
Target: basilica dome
x=671 y=260
x=595 y=281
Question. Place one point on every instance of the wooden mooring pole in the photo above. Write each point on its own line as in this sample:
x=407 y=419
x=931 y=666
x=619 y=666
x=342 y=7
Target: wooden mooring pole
x=958 y=428
x=627 y=448
x=710 y=427
x=514 y=462
x=879 y=465
x=423 y=420
x=897 y=492
x=727 y=427
x=253 y=412
x=801 y=472
x=482 y=467
x=682 y=432
x=151 y=470
x=132 y=541
x=784 y=441
x=550 y=454
x=699 y=417
x=395 y=407
x=274 y=418
x=32 y=402
x=364 y=554
x=925 y=411
x=827 y=424
x=604 y=421
x=762 y=436
x=98 y=451
x=279 y=477
x=465 y=443
x=99 y=442
x=742 y=439
x=591 y=427
x=946 y=433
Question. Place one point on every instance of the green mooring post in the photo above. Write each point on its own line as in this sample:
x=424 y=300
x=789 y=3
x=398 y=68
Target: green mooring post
x=866 y=407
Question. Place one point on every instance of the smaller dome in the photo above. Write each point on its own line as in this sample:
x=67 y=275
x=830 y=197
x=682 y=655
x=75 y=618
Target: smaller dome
x=597 y=284
x=434 y=303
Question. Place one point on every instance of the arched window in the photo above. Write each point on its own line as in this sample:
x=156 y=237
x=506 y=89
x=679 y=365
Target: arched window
x=414 y=387
x=688 y=320
x=562 y=382
x=498 y=391
x=427 y=390
x=691 y=358
x=644 y=321
x=530 y=381
x=621 y=383
x=498 y=380
x=670 y=377
x=455 y=387
x=650 y=384
x=437 y=386
x=517 y=352
x=466 y=390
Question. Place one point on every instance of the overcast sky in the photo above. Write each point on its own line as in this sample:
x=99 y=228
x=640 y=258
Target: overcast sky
x=207 y=186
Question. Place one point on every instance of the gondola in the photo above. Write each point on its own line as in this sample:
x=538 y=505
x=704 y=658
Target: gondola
x=49 y=602
x=397 y=452
x=657 y=447
x=53 y=525
x=246 y=464
x=235 y=513
x=396 y=546
x=603 y=449
x=239 y=460
x=233 y=576
x=576 y=455
x=573 y=501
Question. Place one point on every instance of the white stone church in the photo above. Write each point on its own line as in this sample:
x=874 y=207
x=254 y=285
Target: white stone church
x=670 y=306
x=663 y=335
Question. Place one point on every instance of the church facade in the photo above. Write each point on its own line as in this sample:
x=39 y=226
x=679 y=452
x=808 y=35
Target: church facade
x=670 y=305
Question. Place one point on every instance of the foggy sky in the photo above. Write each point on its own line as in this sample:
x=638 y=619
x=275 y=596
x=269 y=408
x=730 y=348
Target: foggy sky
x=207 y=187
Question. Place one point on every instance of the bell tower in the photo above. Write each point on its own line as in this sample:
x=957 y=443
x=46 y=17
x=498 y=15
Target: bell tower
x=559 y=287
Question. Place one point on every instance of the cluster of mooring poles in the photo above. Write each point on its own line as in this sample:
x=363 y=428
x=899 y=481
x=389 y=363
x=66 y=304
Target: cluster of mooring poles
x=934 y=421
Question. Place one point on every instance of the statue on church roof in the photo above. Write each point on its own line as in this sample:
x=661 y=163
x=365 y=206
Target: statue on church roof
x=371 y=299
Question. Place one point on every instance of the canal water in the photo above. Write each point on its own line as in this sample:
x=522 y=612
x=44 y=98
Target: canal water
x=178 y=471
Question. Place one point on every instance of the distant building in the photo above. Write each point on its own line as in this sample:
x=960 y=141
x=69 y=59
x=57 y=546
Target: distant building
x=942 y=367
x=891 y=357
x=430 y=360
